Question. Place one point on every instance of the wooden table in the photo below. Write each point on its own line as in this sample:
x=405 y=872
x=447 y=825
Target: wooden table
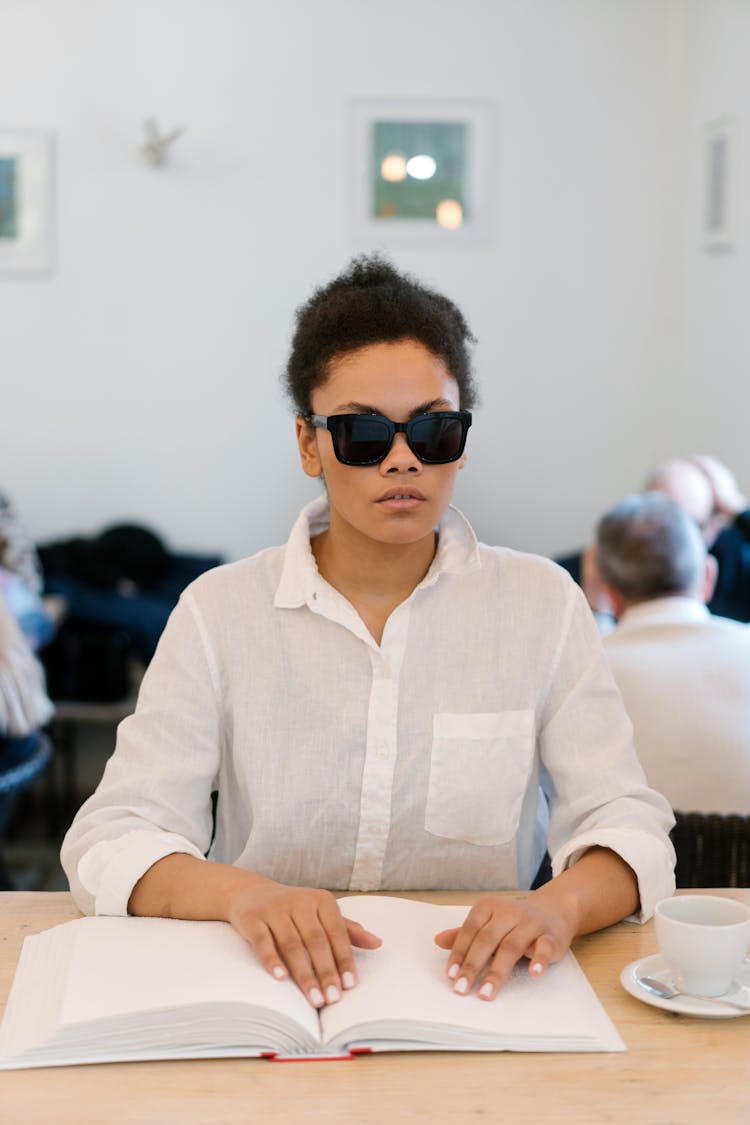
x=677 y=1070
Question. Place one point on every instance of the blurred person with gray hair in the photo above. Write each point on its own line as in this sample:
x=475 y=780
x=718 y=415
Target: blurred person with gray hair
x=709 y=493
x=683 y=673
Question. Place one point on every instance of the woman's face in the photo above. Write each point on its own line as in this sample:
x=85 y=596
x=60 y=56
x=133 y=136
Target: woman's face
x=400 y=500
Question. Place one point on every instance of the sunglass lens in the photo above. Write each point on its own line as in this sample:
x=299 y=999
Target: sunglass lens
x=362 y=439
x=437 y=439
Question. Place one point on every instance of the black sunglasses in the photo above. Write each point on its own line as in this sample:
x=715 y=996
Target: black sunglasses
x=364 y=439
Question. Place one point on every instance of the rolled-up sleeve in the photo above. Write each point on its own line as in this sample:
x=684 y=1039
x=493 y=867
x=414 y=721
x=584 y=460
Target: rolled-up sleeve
x=154 y=798
x=598 y=791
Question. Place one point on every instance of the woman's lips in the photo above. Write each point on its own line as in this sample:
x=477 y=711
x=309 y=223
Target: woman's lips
x=401 y=499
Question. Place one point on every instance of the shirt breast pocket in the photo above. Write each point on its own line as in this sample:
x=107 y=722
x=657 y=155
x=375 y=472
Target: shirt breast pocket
x=479 y=769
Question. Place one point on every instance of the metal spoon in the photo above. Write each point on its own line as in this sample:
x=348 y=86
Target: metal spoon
x=668 y=992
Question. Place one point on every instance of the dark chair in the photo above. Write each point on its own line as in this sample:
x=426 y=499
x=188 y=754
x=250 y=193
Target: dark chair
x=713 y=849
x=13 y=781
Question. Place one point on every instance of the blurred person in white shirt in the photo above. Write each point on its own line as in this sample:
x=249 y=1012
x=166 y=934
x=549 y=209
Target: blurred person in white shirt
x=684 y=674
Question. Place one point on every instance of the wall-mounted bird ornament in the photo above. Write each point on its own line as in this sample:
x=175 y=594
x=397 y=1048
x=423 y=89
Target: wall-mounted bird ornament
x=157 y=145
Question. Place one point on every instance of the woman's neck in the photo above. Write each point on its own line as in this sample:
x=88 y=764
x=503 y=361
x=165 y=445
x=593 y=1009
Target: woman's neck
x=374 y=577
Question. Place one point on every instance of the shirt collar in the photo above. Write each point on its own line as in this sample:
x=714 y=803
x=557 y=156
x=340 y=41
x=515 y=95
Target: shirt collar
x=300 y=583
x=669 y=610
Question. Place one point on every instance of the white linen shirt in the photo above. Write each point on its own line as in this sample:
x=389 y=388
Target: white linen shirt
x=340 y=763
x=685 y=681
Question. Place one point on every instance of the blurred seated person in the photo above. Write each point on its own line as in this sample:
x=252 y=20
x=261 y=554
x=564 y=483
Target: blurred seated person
x=17 y=551
x=683 y=673
x=708 y=491
x=722 y=513
x=21 y=578
x=24 y=705
x=24 y=709
x=122 y=579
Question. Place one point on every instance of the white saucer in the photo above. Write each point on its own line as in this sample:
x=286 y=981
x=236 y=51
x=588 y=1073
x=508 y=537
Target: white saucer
x=655 y=966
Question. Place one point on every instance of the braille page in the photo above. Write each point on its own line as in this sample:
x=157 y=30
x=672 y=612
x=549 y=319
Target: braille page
x=149 y=963
x=405 y=982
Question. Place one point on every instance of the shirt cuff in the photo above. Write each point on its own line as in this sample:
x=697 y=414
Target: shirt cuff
x=651 y=860
x=111 y=869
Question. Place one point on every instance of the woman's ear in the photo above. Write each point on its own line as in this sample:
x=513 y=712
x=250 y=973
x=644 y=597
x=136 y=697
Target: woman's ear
x=462 y=460
x=307 y=440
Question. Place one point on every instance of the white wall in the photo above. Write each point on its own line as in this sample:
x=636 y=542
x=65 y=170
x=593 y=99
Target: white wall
x=714 y=391
x=140 y=381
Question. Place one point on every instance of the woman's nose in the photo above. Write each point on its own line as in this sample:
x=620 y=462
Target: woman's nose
x=400 y=458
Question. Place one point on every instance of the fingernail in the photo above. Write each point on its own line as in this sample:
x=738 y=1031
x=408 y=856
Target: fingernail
x=347 y=979
x=316 y=997
x=486 y=991
x=537 y=968
x=453 y=971
x=332 y=994
x=461 y=985
x=278 y=972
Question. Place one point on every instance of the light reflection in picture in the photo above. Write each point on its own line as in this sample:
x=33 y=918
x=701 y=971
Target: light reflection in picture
x=417 y=167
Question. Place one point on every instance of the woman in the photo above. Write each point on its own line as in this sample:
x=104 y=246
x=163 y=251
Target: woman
x=379 y=703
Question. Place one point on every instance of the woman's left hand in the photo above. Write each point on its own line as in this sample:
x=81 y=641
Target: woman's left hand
x=499 y=932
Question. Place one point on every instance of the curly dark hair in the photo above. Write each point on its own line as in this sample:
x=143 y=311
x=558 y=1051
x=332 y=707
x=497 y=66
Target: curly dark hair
x=372 y=303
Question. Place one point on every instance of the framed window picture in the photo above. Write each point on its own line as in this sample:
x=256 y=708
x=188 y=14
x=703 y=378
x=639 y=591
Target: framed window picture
x=422 y=172
x=721 y=185
x=26 y=200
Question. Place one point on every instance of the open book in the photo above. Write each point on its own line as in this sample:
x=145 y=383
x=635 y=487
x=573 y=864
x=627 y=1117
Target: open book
x=115 y=989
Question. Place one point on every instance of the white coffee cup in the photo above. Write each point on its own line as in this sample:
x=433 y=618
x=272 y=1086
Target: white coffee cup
x=703 y=939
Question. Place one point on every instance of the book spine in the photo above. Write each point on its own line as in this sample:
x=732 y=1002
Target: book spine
x=272 y=1056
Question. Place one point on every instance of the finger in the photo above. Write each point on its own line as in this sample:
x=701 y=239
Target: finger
x=542 y=954
x=362 y=938
x=292 y=948
x=515 y=946
x=464 y=935
x=471 y=951
x=340 y=943
x=445 y=938
x=502 y=955
x=258 y=935
x=462 y=942
x=317 y=942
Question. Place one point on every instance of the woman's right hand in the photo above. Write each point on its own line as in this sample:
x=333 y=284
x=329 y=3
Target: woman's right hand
x=300 y=932
x=294 y=931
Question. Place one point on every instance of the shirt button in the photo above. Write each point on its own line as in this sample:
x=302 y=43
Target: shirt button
x=382 y=753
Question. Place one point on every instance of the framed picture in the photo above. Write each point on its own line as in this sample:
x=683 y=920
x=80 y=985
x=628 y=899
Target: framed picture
x=721 y=184
x=422 y=172
x=26 y=222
